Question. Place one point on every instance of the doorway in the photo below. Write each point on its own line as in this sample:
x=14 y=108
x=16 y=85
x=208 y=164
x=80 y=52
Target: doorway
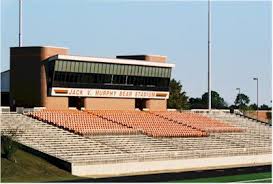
x=77 y=102
x=140 y=103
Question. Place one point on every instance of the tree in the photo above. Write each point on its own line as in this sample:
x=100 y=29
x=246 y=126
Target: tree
x=197 y=103
x=177 y=98
x=264 y=107
x=8 y=144
x=242 y=101
x=217 y=102
x=253 y=106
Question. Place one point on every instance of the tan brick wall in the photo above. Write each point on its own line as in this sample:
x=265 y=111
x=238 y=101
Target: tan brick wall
x=56 y=102
x=47 y=52
x=159 y=59
x=109 y=104
x=156 y=105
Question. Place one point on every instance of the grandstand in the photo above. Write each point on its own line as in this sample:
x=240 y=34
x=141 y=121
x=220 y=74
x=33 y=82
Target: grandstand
x=141 y=145
x=102 y=117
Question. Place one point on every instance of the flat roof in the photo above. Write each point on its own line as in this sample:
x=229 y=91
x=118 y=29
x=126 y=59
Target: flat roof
x=48 y=46
x=153 y=55
x=110 y=60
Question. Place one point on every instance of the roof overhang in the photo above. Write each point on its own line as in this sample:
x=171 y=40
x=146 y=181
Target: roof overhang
x=109 y=60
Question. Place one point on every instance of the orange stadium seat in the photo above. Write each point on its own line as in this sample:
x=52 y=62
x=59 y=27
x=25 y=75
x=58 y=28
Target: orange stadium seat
x=81 y=122
x=148 y=124
x=156 y=124
x=197 y=121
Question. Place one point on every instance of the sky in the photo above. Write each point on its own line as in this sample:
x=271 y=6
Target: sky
x=241 y=37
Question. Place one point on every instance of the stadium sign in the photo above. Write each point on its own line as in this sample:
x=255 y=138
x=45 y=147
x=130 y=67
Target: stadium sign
x=108 y=93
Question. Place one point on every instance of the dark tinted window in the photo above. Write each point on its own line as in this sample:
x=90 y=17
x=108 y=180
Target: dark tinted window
x=92 y=80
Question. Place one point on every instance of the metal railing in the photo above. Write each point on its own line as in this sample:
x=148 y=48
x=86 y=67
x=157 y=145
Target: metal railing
x=171 y=155
x=254 y=119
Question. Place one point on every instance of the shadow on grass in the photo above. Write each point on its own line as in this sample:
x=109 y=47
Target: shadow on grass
x=174 y=177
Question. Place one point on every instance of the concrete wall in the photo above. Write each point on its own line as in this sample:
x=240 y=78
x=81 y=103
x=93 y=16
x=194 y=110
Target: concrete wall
x=156 y=105
x=109 y=104
x=167 y=166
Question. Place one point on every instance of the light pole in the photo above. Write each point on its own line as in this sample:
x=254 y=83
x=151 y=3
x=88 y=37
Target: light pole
x=239 y=89
x=209 y=58
x=20 y=22
x=256 y=78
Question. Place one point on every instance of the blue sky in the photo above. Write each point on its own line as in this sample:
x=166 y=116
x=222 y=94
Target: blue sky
x=241 y=37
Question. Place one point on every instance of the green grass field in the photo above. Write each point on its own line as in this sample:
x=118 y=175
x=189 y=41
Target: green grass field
x=30 y=168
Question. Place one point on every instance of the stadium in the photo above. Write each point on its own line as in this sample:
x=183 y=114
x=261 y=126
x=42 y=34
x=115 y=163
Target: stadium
x=102 y=117
x=124 y=118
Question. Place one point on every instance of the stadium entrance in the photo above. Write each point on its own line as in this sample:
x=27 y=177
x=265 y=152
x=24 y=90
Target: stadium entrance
x=77 y=102
x=141 y=103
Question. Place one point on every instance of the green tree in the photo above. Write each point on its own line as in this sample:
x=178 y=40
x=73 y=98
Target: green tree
x=217 y=102
x=264 y=107
x=242 y=101
x=252 y=107
x=8 y=144
x=197 y=103
x=178 y=98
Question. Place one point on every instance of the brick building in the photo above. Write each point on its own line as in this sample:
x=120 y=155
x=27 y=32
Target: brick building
x=49 y=77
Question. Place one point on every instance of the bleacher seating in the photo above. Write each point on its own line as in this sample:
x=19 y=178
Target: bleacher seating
x=80 y=122
x=54 y=141
x=149 y=124
x=197 y=121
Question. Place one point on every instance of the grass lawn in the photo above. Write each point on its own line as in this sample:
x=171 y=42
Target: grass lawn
x=30 y=168
x=252 y=177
